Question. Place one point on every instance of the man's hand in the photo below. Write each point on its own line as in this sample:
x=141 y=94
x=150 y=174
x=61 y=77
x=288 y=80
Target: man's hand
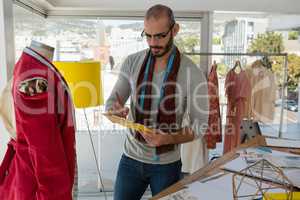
x=157 y=138
x=118 y=107
x=119 y=110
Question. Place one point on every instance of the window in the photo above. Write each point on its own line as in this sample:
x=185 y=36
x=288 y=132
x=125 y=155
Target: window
x=110 y=42
x=256 y=37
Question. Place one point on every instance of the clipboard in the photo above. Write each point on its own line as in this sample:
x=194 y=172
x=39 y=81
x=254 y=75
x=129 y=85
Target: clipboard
x=127 y=123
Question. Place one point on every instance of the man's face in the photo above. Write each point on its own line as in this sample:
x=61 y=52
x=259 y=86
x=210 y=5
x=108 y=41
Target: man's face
x=159 y=35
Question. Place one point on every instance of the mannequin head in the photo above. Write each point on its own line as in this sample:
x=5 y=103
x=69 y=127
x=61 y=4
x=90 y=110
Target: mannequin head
x=42 y=49
x=6 y=99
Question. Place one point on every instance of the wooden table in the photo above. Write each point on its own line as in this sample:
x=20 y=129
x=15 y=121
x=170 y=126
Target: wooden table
x=210 y=169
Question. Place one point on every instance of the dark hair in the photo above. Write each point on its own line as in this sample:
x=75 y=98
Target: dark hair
x=158 y=11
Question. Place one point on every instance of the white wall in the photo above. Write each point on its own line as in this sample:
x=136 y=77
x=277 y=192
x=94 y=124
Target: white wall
x=299 y=102
x=7 y=56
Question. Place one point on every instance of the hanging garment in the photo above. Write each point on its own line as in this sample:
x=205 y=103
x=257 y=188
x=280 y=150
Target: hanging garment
x=238 y=89
x=213 y=134
x=40 y=163
x=261 y=102
x=194 y=154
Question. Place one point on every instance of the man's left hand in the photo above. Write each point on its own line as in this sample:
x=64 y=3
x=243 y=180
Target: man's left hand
x=156 y=138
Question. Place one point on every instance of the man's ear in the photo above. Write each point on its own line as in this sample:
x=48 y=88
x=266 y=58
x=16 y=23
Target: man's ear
x=176 y=29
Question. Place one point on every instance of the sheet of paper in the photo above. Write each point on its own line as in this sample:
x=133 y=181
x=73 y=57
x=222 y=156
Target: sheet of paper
x=285 y=161
x=207 y=190
x=181 y=195
x=127 y=123
x=277 y=142
x=278 y=158
x=294 y=176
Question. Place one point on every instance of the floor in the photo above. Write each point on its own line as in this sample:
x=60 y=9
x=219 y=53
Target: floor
x=101 y=196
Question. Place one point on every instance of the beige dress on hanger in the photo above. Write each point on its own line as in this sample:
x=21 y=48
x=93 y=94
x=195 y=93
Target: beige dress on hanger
x=261 y=103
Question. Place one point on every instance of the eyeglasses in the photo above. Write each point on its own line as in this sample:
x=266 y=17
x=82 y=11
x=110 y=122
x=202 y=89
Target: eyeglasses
x=157 y=36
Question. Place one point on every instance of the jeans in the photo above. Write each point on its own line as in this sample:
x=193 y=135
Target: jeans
x=134 y=177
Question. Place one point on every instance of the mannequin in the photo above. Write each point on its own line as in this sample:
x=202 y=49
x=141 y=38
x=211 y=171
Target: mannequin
x=43 y=49
x=6 y=100
x=40 y=158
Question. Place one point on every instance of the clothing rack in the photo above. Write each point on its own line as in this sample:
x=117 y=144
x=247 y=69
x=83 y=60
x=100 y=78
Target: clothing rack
x=236 y=54
x=285 y=66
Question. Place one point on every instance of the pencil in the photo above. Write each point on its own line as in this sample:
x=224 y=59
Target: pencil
x=119 y=98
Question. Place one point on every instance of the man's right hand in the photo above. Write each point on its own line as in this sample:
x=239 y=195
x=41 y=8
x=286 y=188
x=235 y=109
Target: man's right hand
x=119 y=110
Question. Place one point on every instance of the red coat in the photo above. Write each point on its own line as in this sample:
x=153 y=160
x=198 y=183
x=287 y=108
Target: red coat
x=40 y=164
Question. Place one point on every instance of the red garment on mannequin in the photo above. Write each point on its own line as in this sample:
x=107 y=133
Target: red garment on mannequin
x=40 y=163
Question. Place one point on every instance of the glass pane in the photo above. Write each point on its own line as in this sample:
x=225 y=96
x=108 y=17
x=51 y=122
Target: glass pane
x=248 y=32
x=107 y=41
x=188 y=38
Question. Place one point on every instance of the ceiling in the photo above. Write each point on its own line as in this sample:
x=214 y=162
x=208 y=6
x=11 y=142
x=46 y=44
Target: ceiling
x=77 y=7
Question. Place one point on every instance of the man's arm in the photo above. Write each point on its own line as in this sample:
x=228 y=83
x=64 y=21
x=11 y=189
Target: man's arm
x=198 y=102
x=120 y=92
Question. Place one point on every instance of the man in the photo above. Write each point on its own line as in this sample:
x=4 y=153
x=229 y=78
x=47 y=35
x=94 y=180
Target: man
x=163 y=85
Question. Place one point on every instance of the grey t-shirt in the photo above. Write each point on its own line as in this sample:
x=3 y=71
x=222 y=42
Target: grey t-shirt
x=191 y=99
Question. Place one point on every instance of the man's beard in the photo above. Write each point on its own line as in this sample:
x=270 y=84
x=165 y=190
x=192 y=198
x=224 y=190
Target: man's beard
x=167 y=48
